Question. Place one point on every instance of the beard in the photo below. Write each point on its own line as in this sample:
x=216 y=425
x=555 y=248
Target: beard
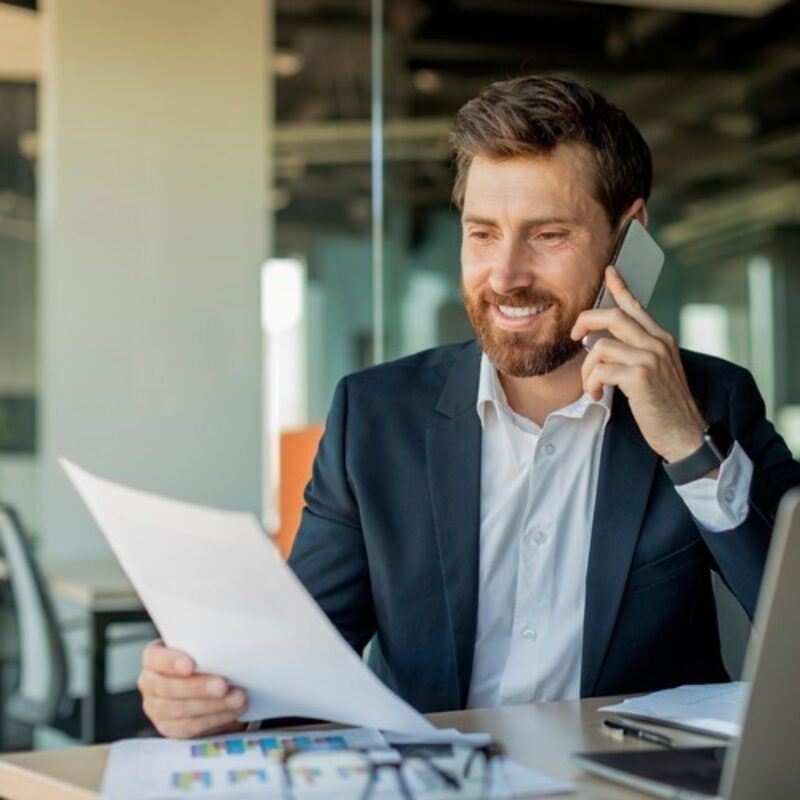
x=526 y=354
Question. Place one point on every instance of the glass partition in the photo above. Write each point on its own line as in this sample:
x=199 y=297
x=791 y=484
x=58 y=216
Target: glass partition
x=710 y=91
x=18 y=383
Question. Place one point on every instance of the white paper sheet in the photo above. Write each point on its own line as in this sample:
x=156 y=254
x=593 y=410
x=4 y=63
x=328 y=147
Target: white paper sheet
x=234 y=766
x=714 y=708
x=509 y=779
x=217 y=588
x=239 y=767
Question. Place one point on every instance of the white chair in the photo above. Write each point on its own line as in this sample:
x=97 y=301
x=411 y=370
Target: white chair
x=42 y=697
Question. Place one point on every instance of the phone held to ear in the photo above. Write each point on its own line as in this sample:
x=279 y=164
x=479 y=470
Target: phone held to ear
x=638 y=259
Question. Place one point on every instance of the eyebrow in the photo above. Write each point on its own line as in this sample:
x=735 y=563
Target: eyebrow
x=528 y=223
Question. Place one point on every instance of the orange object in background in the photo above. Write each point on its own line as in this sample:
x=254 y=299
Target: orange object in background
x=298 y=449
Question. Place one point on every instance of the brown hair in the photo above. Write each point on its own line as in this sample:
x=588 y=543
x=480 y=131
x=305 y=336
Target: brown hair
x=530 y=116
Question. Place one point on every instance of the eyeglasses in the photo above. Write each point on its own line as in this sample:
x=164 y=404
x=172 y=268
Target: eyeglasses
x=421 y=771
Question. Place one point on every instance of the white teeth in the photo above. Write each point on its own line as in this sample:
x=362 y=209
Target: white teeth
x=529 y=311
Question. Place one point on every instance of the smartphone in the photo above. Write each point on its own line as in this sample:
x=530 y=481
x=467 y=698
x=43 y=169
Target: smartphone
x=639 y=260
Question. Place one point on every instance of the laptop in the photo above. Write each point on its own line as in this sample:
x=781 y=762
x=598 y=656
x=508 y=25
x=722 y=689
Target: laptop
x=765 y=760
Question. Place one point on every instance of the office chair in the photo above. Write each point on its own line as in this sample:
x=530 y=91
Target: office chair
x=42 y=696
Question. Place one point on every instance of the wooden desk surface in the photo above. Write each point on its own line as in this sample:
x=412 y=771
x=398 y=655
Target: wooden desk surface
x=98 y=582
x=539 y=736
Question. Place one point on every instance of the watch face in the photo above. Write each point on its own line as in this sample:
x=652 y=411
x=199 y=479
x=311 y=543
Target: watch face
x=718 y=438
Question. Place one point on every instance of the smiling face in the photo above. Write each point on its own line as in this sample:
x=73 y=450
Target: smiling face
x=534 y=245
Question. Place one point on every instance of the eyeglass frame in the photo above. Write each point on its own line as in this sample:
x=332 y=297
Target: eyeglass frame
x=490 y=751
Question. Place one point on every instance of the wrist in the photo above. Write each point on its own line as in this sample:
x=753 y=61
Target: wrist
x=705 y=460
x=688 y=444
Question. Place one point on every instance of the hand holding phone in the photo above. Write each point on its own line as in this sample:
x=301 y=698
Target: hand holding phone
x=638 y=260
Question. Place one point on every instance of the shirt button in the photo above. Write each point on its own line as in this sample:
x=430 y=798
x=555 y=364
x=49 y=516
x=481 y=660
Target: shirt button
x=530 y=634
x=730 y=494
x=540 y=537
x=549 y=448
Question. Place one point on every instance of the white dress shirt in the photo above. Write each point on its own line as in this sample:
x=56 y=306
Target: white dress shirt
x=538 y=489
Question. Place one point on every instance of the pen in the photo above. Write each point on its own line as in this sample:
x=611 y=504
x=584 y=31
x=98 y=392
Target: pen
x=640 y=733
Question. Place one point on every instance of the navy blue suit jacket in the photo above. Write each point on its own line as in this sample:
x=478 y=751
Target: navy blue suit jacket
x=389 y=539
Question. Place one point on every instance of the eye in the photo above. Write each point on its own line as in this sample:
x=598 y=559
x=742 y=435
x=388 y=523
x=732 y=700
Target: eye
x=481 y=236
x=551 y=236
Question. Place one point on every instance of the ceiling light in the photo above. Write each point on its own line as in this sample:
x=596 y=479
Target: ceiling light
x=427 y=81
x=741 y=8
x=287 y=63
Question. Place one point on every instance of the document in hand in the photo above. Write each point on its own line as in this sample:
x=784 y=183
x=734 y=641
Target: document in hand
x=216 y=588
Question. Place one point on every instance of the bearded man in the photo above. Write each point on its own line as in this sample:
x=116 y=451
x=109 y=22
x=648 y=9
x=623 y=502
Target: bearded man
x=512 y=520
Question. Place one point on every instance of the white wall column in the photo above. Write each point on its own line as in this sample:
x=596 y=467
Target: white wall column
x=152 y=231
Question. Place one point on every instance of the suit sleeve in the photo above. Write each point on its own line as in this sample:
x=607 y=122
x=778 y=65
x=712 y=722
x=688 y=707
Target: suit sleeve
x=329 y=556
x=740 y=553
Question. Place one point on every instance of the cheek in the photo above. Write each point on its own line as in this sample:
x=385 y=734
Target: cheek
x=474 y=268
x=573 y=270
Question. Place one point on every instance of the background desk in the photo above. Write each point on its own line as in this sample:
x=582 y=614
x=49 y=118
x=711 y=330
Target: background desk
x=102 y=590
x=91 y=582
x=540 y=736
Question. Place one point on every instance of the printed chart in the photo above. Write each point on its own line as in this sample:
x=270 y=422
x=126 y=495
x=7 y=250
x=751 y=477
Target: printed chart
x=321 y=765
x=224 y=766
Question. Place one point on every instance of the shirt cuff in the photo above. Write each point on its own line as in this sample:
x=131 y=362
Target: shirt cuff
x=720 y=503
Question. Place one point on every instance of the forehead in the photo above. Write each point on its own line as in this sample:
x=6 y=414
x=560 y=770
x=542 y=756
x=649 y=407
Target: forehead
x=557 y=182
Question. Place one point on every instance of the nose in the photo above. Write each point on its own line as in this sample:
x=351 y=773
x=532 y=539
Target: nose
x=510 y=269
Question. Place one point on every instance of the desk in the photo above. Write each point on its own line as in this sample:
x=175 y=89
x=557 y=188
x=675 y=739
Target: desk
x=91 y=582
x=103 y=590
x=97 y=583
x=539 y=736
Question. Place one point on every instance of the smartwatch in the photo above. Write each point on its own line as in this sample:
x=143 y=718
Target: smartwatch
x=717 y=444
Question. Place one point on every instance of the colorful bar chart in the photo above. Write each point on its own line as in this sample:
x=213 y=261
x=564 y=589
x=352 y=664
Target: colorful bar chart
x=187 y=781
x=266 y=745
x=230 y=747
x=307 y=776
x=245 y=777
x=269 y=744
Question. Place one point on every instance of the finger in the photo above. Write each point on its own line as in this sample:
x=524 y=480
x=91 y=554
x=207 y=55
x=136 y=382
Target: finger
x=234 y=703
x=630 y=307
x=612 y=351
x=160 y=658
x=601 y=376
x=620 y=324
x=197 y=726
x=157 y=684
x=631 y=380
x=630 y=304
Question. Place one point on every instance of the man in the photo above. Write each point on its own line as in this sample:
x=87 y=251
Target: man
x=514 y=520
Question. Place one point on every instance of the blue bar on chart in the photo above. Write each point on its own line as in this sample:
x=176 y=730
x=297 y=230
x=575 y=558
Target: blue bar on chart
x=266 y=745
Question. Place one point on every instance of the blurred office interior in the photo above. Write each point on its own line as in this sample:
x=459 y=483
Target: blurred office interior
x=211 y=210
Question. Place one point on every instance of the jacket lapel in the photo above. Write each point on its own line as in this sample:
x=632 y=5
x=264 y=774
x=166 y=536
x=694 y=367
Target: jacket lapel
x=627 y=469
x=453 y=451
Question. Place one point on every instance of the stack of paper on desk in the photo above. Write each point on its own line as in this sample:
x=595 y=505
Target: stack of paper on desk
x=715 y=708
x=216 y=588
x=240 y=767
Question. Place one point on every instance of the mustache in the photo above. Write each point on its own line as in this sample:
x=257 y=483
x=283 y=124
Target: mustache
x=519 y=299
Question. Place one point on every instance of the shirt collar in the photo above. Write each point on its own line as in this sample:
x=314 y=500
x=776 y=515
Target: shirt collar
x=491 y=394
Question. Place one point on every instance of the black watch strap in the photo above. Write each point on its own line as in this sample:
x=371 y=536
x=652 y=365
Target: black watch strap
x=717 y=444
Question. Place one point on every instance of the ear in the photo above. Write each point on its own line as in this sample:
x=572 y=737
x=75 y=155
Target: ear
x=638 y=211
